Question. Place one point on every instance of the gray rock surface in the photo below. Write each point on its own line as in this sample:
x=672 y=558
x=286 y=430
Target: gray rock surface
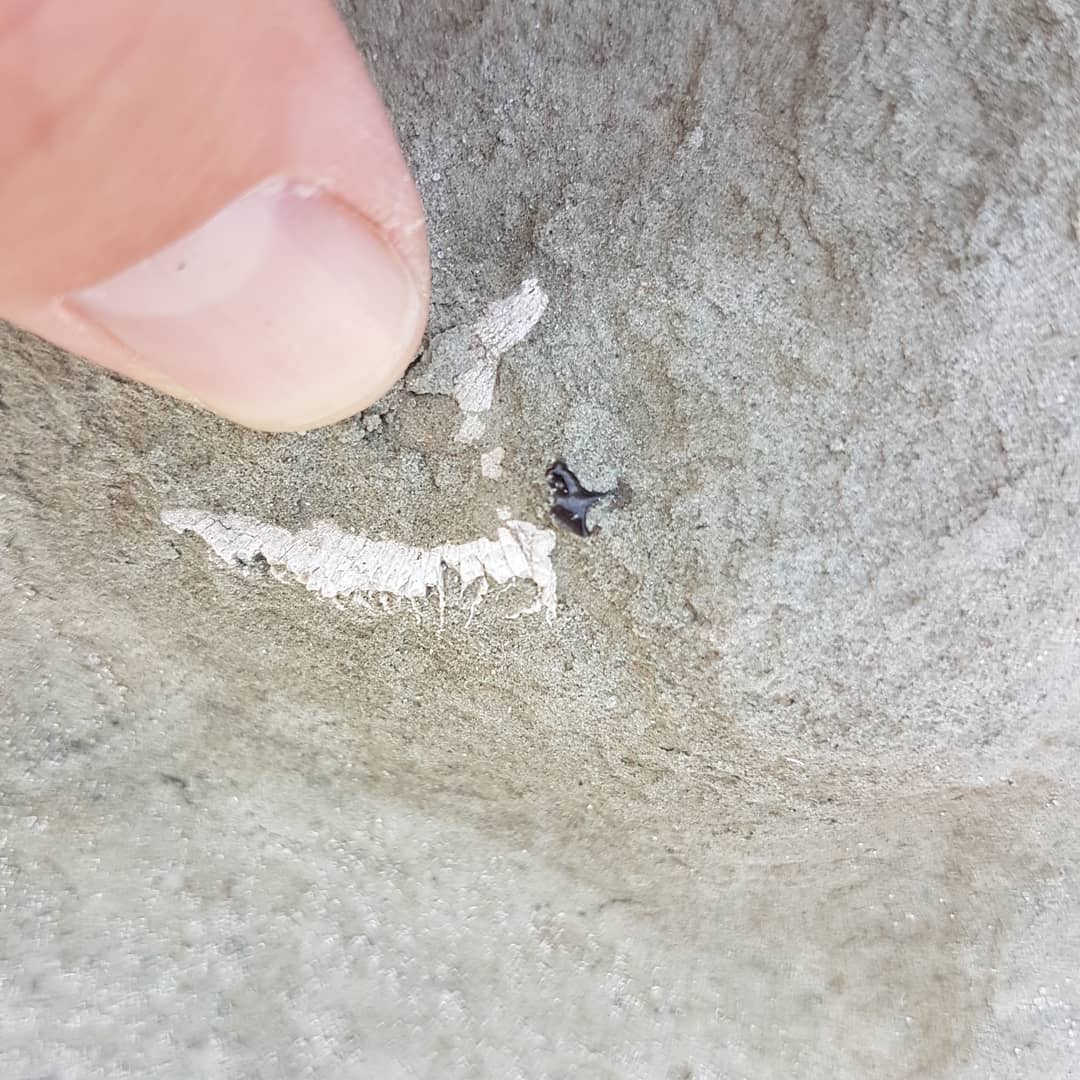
x=788 y=790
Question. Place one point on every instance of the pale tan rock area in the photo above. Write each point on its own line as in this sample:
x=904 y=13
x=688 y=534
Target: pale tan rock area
x=788 y=787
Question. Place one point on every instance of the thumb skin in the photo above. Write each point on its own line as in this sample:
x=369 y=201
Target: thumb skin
x=209 y=198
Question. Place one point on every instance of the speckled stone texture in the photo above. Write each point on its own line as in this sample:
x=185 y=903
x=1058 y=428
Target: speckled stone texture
x=788 y=790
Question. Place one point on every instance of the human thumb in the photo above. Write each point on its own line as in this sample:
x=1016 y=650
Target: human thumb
x=209 y=198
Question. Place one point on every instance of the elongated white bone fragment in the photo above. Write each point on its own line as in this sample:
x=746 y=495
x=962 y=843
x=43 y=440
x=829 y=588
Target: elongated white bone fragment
x=342 y=565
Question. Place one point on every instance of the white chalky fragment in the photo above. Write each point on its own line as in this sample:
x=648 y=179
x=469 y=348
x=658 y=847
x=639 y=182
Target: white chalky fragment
x=342 y=565
x=463 y=362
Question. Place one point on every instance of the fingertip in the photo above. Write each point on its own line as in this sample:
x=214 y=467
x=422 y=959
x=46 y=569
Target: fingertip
x=282 y=279
x=284 y=311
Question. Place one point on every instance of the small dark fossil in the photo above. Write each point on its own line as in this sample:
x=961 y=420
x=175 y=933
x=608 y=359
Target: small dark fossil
x=572 y=501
